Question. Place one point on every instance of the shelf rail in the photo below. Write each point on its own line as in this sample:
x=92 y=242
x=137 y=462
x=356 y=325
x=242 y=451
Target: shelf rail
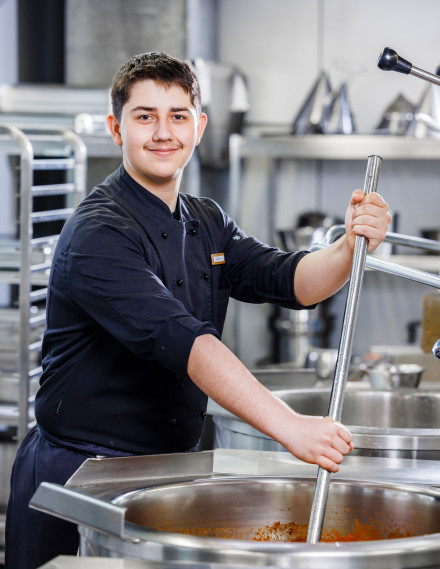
x=65 y=151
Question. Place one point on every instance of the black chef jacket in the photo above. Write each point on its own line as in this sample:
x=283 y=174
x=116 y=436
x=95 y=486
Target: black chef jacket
x=131 y=287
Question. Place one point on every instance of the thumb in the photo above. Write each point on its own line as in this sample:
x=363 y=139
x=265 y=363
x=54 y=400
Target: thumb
x=356 y=197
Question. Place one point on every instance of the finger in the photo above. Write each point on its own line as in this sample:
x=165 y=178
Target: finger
x=373 y=204
x=372 y=197
x=341 y=446
x=344 y=433
x=328 y=464
x=377 y=199
x=356 y=197
x=374 y=236
x=368 y=230
x=367 y=220
x=369 y=207
x=331 y=458
x=371 y=217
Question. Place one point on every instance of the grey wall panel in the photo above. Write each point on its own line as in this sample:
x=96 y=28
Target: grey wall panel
x=103 y=34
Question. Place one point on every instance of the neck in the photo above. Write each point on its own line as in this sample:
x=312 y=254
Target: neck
x=167 y=190
x=167 y=195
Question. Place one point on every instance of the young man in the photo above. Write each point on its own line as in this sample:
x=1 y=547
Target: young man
x=138 y=294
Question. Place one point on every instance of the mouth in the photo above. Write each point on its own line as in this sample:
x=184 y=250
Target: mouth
x=163 y=152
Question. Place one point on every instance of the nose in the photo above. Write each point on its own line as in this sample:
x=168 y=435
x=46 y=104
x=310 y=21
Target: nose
x=163 y=130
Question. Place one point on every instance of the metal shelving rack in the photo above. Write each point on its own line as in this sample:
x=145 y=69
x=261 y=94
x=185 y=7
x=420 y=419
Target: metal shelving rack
x=319 y=147
x=37 y=151
x=26 y=261
x=278 y=149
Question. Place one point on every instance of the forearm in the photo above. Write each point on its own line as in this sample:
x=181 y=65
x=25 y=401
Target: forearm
x=221 y=375
x=216 y=370
x=322 y=273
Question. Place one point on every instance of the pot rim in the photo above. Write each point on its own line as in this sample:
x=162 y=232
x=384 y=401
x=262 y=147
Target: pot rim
x=431 y=492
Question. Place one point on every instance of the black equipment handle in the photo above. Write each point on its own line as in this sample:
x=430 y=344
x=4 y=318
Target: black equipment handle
x=389 y=60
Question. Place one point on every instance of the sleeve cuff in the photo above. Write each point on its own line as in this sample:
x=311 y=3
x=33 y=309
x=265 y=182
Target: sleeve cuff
x=175 y=339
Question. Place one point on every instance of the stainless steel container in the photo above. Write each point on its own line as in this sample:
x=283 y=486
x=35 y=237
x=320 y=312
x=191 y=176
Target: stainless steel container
x=256 y=508
x=174 y=508
x=216 y=520
x=402 y=423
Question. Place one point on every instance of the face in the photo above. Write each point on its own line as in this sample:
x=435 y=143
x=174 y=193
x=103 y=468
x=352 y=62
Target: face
x=158 y=131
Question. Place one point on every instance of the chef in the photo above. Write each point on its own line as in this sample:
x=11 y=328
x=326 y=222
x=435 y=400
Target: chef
x=138 y=294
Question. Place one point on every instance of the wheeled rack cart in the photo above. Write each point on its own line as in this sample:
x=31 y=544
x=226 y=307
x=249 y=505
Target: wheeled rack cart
x=49 y=168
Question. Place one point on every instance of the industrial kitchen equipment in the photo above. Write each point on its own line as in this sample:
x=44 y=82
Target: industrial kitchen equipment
x=216 y=509
x=388 y=423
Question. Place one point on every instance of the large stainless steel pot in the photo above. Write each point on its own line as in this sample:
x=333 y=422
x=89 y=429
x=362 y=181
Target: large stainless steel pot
x=217 y=519
x=120 y=504
x=248 y=508
x=403 y=423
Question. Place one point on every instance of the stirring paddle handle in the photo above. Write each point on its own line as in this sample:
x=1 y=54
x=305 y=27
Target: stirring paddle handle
x=389 y=60
x=344 y=354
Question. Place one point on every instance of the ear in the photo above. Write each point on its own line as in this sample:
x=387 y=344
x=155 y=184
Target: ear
x=203 y=121
x=113 y=127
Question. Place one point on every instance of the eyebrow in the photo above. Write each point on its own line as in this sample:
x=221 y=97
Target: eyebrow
x=153 y=109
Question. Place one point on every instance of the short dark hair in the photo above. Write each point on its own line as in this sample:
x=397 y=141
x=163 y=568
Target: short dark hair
x=158 y=66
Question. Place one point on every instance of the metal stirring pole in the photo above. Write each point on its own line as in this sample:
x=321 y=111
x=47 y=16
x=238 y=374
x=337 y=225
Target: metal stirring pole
x=344 y=353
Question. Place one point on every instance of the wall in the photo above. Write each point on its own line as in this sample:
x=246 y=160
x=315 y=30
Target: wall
x=282 y=45
x=8 y=74
x=8 y=41
x=103 y=34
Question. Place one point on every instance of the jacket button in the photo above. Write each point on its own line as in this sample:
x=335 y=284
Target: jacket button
x=205 y=276
x=164 y=235
x=203 y=414
x=193 y=231
x=179 y=282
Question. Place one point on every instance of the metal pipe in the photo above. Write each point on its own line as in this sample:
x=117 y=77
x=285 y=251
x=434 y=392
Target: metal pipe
x=336 y=231
x=344 y=353
x=411 y=241
x=372 y=262
x=425 y=75
x=427 y=121
x=401 y=271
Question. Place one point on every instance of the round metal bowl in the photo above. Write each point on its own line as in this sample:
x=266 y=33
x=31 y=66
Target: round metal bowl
x=254 y=521
x=406 y=375
x=401 y=423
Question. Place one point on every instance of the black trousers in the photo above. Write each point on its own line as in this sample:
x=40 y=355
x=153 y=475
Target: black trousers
x=32 y=537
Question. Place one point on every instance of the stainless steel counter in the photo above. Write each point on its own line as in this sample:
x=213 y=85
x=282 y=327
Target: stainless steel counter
x=394 y=470
x=69 y=562
x=101 y=476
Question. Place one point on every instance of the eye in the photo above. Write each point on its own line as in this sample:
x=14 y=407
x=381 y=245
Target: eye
x=179 y=117
x=144 y=117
